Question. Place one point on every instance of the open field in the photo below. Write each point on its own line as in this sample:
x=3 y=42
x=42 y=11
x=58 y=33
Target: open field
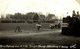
x=24 y=26
x=30 y=36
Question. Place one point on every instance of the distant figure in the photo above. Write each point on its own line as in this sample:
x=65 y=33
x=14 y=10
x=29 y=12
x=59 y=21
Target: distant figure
x=18 y=28
x=59 y=25
x=78 y=15
x=68 y=14
x=74 y=17
x=52 y=26
x=38 y=26
x=73 y=14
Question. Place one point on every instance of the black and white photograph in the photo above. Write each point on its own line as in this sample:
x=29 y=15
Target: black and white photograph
x=39 y=24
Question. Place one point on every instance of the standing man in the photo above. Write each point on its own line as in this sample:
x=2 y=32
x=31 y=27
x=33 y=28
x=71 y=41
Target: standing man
x=74 y=18
x=18 y=28
x=78 y=15
x=59 y=25
x=73 y=14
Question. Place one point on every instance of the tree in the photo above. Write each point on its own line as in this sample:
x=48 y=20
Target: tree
x=35 y=17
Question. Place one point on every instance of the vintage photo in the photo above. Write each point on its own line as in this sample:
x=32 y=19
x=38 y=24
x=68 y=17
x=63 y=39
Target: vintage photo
x=39 y=24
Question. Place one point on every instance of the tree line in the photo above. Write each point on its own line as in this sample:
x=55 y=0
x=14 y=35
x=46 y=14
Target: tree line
x=31 y=17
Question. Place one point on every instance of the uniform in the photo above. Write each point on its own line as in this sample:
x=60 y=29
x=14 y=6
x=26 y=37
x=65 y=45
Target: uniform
x=18 y=28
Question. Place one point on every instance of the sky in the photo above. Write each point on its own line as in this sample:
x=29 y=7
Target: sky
x=57 y=7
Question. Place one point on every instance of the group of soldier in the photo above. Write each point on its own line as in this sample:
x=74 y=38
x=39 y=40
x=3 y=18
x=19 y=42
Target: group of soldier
x=75 y=17
x=75 y=14
x=38 y=27
x=18 y=28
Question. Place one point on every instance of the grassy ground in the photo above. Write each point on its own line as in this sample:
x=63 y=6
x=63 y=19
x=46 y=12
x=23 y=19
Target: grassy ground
x=30 y=36
x=24 y=26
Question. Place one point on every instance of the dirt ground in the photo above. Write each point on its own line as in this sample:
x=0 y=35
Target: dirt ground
x=42 y=37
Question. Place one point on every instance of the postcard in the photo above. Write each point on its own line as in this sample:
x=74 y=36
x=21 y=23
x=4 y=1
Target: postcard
x=39 y=24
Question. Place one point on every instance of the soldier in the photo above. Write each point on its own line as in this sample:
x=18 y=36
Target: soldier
x=74 y=17
x=59 y=25
x=38 y=26
x=73 y=14
x=77 y=14
x=18 y=28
